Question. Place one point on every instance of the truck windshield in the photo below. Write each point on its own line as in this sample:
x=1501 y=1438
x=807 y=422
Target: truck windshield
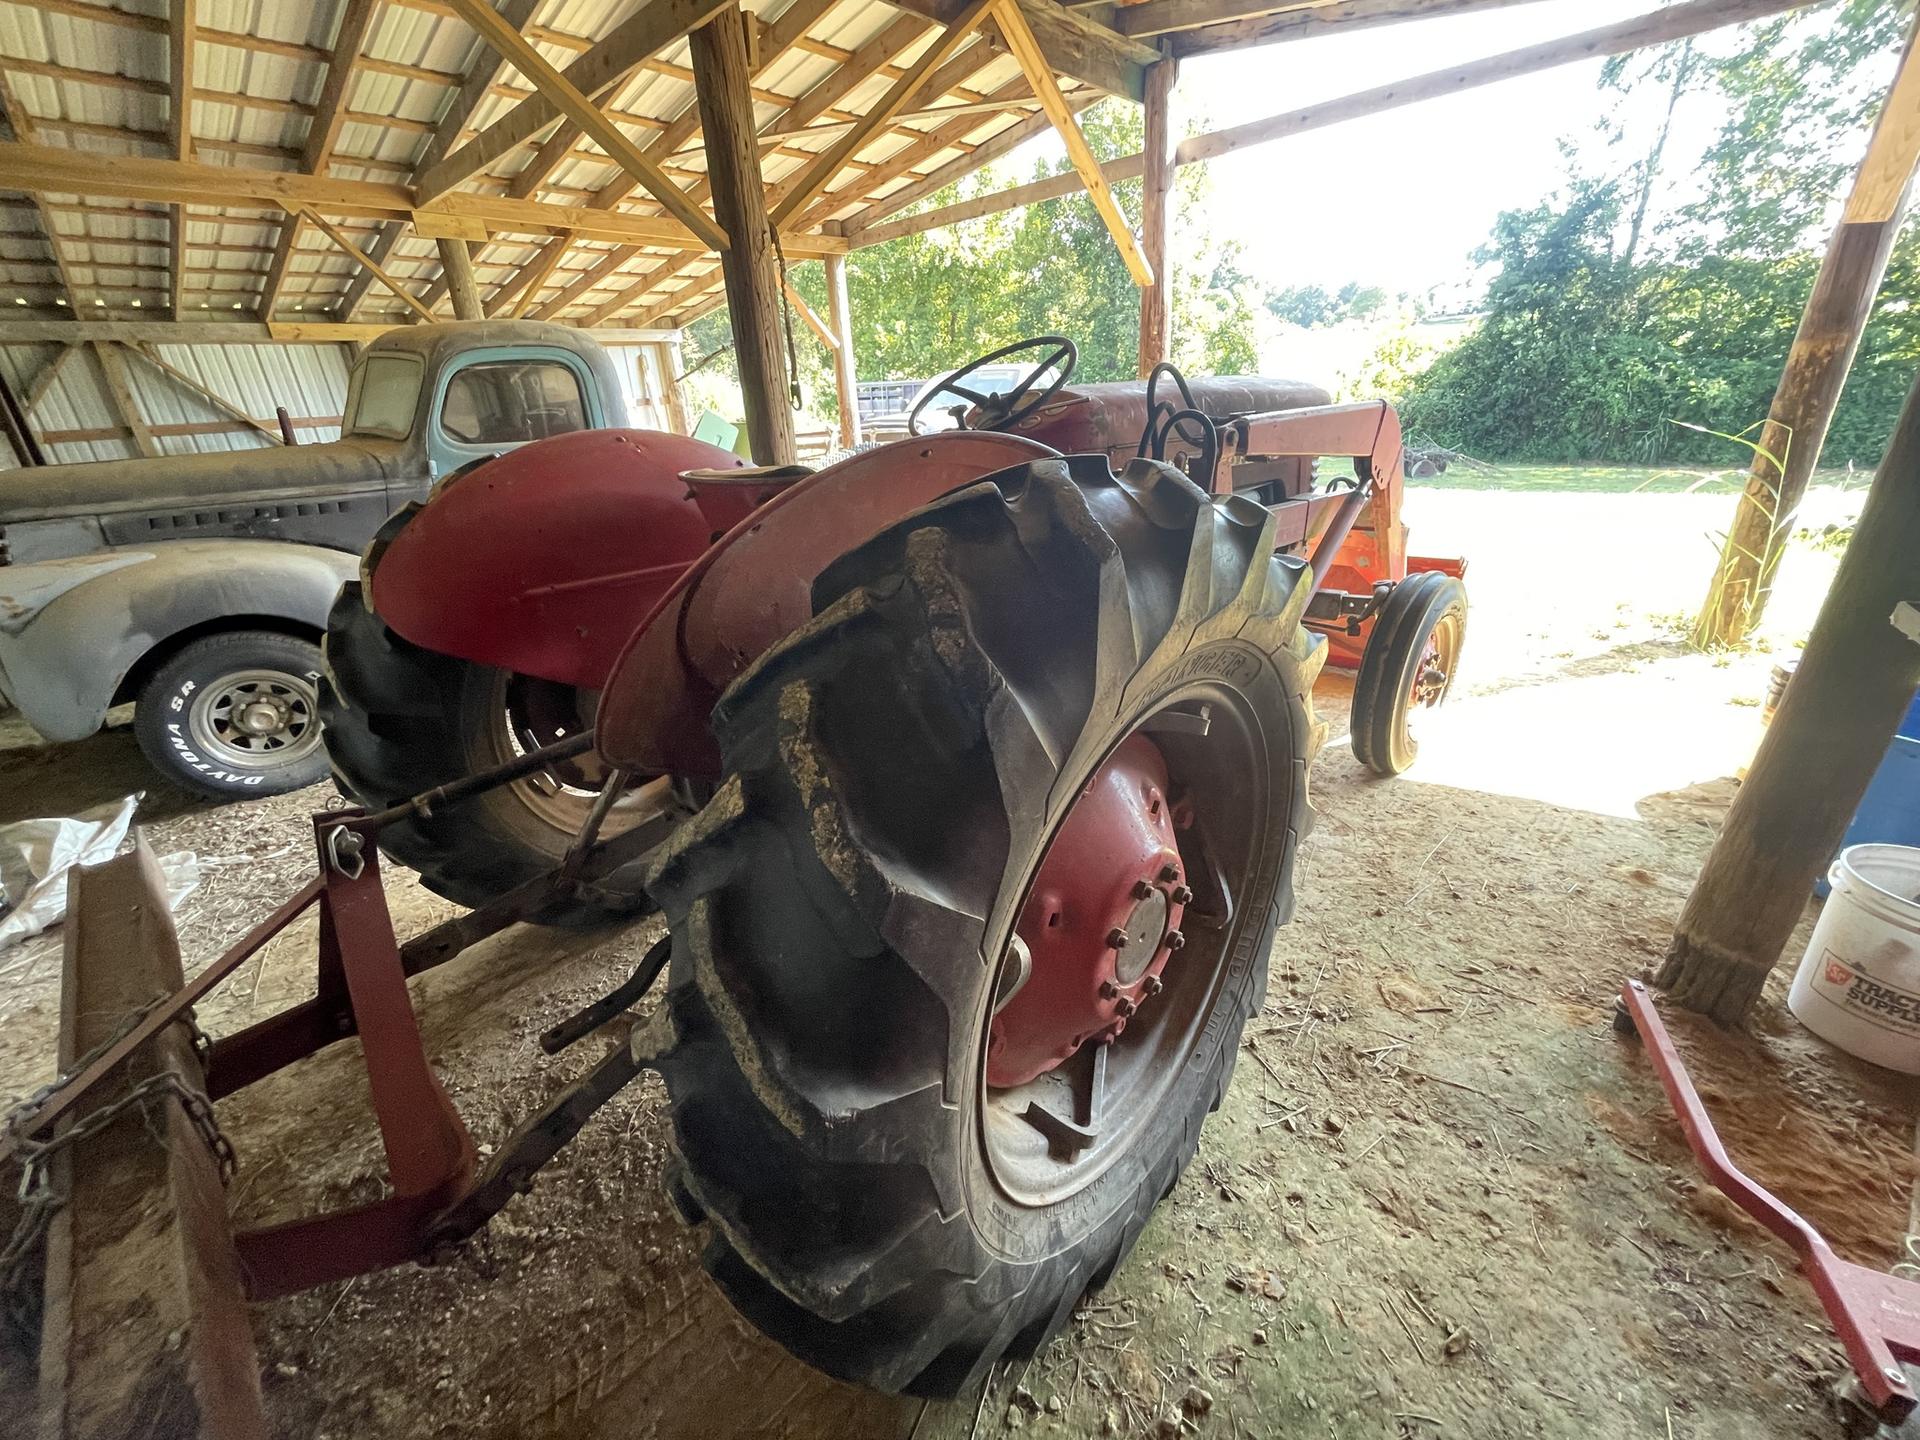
x=507 y=402
x=382 y=395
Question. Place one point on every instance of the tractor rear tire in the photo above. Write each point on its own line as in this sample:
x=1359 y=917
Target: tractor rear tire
x=1429 y=606
x=399 y=720
x=896 y=769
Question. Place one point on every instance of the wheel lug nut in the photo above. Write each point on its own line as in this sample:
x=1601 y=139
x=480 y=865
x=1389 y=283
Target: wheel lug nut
x=1142 y=889
x=1182 y=895
x=1152 y=985
x=1108 y=990
x=1169 y=873
x=1116 y=939
x=1175 y=940
x=1124 y=1007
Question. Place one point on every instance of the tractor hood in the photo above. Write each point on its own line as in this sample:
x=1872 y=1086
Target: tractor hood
x=281 y=472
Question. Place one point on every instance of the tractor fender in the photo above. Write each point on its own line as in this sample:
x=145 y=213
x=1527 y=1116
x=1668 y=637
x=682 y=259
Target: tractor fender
x=72 y=630
x=755 y=584
x=543 y=560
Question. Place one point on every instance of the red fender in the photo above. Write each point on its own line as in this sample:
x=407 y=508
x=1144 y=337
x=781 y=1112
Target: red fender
x=544 y=560
x=756 y=585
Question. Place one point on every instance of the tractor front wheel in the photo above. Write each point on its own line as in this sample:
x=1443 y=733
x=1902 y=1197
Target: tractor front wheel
x=400 y=720
x=964 y=944
x=1407 y=668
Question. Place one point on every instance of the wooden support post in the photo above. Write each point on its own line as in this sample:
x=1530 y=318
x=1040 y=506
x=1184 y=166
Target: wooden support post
x=1816 y=370
x=1156 y=185
x=666 y=356
x=739 y=202
x=845 y=372
x=1856 y=678
x=456 y=261
x=120 y=393
x=145 y=1329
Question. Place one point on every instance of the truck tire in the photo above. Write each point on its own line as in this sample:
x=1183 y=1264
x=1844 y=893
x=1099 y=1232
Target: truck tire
x=842 y=911
x=235 y=714
x=1408 y=665
x=400 y=719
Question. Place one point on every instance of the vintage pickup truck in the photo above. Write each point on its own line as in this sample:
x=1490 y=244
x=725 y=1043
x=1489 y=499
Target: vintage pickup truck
x=197 y=586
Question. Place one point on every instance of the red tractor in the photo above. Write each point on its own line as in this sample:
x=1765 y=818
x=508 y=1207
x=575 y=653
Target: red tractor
x=968 y=771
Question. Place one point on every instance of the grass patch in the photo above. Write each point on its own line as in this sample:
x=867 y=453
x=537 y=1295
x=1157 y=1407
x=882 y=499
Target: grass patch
x=1610 y=479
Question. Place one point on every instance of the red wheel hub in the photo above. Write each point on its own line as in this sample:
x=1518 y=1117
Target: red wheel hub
x=1100 y=923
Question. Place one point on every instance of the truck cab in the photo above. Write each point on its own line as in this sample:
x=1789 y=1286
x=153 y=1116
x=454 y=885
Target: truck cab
x=197 y=586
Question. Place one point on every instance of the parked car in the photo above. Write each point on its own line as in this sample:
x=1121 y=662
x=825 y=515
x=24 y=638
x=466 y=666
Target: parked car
x=197 y=586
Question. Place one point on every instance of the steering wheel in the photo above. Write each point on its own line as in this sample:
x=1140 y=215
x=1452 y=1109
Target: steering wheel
x=1003 y=412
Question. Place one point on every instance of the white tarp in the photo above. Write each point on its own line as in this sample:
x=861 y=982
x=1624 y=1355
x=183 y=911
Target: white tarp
x=35 y=856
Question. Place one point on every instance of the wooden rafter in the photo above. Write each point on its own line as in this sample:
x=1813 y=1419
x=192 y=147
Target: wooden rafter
x=474 y=87
x=20 y=123
x=1039 y=72
x=820 y=174
x=182 y=35
x=1074 y=44
x=321 y=134
x=49 y=373
x=808 y=314
x=1285 y=19
x=354 y=252
x=569 y=101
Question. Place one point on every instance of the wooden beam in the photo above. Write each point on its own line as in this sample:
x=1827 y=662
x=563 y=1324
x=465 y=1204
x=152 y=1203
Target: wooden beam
x=569 y=101
x=332 y=232
x=218 y=402
x=456 y=263
x=1816 y=370
x=484 y=69
x=751 y=275
x=1261 y=21
x=1074 y=44
x=846 y=386
x=1156 y=185
x=146 y=1328
x=821 y=173
x=120 y=395
x=182 y=35
x=19 y=123
x=809 y=315
x=667 y=268
x=43 y=382
x=234 y=332
x=77 y=172
x=666 y=356
x=1039 y=72
x=539 y=272
x=1675 y=22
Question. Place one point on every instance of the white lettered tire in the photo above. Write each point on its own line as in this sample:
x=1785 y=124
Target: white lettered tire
x=235 y=714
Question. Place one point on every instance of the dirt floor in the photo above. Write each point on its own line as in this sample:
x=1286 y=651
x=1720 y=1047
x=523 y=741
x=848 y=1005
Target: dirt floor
x=1442 y=1199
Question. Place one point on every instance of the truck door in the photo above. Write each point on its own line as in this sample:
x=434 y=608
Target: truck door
x=493 y=400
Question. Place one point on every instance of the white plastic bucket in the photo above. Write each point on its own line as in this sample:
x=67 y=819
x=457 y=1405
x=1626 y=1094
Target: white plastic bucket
x=1859 y=985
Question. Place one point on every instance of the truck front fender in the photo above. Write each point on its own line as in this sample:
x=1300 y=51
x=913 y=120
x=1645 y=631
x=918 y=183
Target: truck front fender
x=71 y=631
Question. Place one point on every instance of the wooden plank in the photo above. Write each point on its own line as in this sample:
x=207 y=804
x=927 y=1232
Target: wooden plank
x=1073 y=44
x=1675 y=22
x=219 y=402
x=1822 y=352
x=539 y=272
x=810 y=316
x=1285 y=19
x=456 y=264
x=1156 y=185
x=146 y=1329
x=120 y=396
x=229 y=332
x=667 y=360
x=818 y=175
x=1039 y=73
x=569 y=101
x=751 y=274
x=438 y=225
x=846 y=387
x=20 y=123
x=332 y=232
x=482 y=71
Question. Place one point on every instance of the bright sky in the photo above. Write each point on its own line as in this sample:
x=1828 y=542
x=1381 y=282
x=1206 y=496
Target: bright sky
x=1402 y=199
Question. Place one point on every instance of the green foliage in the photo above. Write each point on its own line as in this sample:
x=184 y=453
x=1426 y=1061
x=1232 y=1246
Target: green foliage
x=1313 y=305
x=1591 y=349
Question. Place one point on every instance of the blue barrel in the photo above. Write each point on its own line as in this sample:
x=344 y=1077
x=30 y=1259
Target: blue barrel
x=1889 y=812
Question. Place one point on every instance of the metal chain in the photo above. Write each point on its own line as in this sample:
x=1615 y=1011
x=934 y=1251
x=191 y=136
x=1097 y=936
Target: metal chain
x=786 y=319
x=40 y=1201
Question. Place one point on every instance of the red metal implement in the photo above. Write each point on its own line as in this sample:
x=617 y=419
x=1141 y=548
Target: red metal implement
x=1876 y=1315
